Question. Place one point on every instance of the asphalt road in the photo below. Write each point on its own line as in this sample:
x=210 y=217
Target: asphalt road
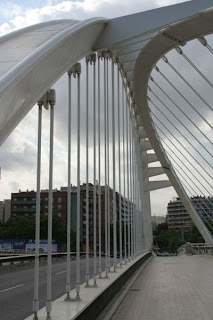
x=16 y=288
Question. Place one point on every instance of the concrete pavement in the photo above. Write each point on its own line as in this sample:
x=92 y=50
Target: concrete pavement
x=171 y=288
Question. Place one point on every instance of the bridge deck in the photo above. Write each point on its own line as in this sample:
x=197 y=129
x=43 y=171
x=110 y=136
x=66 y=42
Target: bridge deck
x=177 y=288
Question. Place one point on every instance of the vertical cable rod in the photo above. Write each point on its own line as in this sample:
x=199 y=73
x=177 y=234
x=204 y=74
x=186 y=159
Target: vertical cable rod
x=105 y=167
x=124 y=177
x=50 y=201
x=78 y=71
x=99 y=165
x=109 y=193
x=138 y=217
x=133 y=192
x=88 y=58
x=94 y=172
x=113 y=164
x=68 y=288
x=119 y=165
x=37 y=230
x=130 y=179
x=127 y=163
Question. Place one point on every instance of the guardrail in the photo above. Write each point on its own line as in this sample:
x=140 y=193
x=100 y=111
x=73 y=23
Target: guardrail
x=198 y=248
x=11 y=251
x=31 y=257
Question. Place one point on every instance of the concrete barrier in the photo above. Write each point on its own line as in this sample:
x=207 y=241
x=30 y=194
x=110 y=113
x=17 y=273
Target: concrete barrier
x=96 y=307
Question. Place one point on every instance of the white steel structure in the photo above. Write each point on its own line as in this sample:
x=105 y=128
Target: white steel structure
x=128 y=49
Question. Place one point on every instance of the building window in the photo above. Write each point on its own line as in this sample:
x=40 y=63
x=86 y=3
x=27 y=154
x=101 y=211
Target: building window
x=59 y=199
x=59 y=207
x=59 y=214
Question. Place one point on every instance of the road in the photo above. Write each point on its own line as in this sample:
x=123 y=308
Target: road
x=16 y=288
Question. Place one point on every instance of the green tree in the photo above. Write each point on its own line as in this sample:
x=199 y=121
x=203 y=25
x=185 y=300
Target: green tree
x=168 y=239
x=24 y=228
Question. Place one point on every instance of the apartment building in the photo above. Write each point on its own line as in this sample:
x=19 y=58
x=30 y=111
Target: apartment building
x=178 y=218
x=5 y=210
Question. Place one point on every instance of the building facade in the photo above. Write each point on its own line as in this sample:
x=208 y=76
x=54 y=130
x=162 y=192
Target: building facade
x=178 y=218
x=5 y=210
x=23 y=203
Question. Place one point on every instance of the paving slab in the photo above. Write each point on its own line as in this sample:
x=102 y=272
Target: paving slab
x=171 y=288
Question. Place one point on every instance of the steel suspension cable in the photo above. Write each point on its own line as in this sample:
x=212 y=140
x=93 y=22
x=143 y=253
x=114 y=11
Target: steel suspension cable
x=140 y=203
x=165 y=59
x=68 y=287
x=128 y=209
x=109 y=191
x=99 y=165
x=188 y=190
x=183 y=165
x=187 y=174
x=132 y=177
x=119 y=166
x=105 y=168
x=113 y=169
x=139 y=226
x=94 y=173
x=179 y=132
x=50 y=211
x=183 y=97
x=124 y=178
x=180 y=51
x=78 y=71
x=133 y=192
x=204 y=42
x=190 y=179
x=164 y=142
x=150 y=89
x=87 y=170
x=130 y=180
x=191 y=189
x=176 y=105
x=183 y=146
x=37 y=227
x=134 y=185
x=203 y=210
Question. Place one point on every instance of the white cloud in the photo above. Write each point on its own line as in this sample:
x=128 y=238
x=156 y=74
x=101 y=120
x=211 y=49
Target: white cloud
x=19 y=17
x=5 y=28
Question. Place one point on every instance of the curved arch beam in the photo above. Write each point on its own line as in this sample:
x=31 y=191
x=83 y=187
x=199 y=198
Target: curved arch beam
x=122 y=29
x=21 y=87
x=166 y=40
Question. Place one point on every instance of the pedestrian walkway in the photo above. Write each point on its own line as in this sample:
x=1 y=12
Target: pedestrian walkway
x=171 y=288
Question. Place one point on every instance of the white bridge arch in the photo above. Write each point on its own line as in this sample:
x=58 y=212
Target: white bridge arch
x=27 y=71
x=137 y=42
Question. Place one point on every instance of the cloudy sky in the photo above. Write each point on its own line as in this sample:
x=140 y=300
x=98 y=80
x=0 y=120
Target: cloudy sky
x=18 y=153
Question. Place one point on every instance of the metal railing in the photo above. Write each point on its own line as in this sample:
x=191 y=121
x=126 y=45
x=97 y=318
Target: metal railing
x=198 y=248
